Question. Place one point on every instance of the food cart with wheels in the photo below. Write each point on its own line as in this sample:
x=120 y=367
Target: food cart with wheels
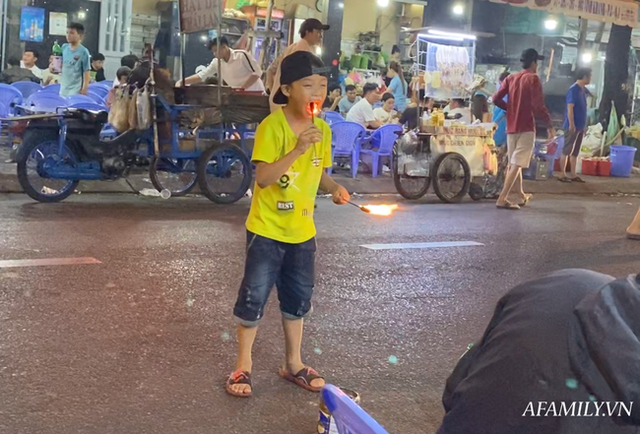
x=456 y=157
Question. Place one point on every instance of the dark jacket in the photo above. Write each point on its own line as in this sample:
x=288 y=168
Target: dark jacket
x=572 y=336
x=14 y=74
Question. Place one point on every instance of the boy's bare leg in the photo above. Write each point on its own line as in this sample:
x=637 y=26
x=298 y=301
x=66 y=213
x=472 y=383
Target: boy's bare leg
x=509 y=182
x=634 y=229
x=518 y=189
x=293 y=343
x=246 y=338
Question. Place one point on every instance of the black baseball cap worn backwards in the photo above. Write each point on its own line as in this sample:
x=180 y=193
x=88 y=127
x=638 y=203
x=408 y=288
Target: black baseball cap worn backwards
x=297 y=66
x=529 y=56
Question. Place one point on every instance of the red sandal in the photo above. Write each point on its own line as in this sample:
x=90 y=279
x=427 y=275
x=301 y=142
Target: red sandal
x=239 y=377
x=303 y=378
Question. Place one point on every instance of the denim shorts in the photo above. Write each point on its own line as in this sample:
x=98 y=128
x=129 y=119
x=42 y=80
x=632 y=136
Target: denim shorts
x=290 y=267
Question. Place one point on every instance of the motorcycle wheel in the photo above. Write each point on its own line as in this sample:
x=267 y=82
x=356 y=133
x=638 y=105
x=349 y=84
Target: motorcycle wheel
x=224 y=173
x=40 y=146
x=179 y=176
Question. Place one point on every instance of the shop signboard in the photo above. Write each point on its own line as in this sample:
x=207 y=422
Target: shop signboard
x=621 y=12
x=200 y=15
x=32 y=24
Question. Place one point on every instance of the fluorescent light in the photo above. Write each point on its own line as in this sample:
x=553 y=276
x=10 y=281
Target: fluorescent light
x=448 y=38
x=460 y=36
x=319 y=51
x=551 y=24
x=204 y=38
x=383 y=3
x=587 y=58
x=458 y=9
x=341 y=5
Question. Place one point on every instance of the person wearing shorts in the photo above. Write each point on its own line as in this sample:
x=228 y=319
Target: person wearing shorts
x=292 y=150
x=525 y=100
x=575 y=124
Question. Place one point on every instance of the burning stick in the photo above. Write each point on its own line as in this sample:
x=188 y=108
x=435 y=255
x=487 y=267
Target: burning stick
x=314 y=110
x=381 y=210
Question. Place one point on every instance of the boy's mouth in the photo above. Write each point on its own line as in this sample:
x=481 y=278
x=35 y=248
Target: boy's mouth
x=313 y=109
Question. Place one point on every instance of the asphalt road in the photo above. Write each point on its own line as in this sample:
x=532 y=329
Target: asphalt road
x=142 y=342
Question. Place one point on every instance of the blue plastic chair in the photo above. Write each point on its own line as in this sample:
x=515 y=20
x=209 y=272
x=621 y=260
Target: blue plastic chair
x=91 y=106
x=99 y=89
x=346 y=139
x=27 y=88
x=382 y=140
x=108 y=83
x=73 y=99
x=45 y=102
x=52 y=88
x=350 y=418
x=10 y=97
x=332 y=117
x=98 y=99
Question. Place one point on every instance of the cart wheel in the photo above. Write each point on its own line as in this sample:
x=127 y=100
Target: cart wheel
x=224 y=173
x=179 y=176
x=452 y=177
x=476 y=192
x=39 y=149
x=411 y=183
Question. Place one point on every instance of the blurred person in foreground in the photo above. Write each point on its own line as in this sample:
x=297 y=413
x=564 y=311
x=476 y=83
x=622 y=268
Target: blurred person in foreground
x=525 y=100
x=561 y=355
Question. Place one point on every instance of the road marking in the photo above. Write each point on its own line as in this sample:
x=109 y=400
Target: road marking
x=47 y=262
x=434 y=245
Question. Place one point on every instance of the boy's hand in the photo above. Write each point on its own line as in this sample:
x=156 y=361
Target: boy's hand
x=341 y=196
x=310 y=136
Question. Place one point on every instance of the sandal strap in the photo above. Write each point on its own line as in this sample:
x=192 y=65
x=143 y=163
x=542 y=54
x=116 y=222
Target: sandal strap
x=240 y=377
x=308 y=375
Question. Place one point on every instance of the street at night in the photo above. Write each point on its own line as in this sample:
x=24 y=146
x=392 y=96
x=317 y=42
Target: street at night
x=141 y=338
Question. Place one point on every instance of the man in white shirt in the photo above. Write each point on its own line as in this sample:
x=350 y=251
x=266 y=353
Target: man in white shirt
x=362 y=111
x=29 y=60
x=239 y=69
x=458 y=108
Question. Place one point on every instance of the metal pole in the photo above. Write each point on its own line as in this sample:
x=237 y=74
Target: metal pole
x=266 y=43
x=183 y=64
x=218 y=59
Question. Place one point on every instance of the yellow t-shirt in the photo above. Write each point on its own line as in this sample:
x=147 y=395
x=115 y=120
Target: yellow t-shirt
x=284 y=211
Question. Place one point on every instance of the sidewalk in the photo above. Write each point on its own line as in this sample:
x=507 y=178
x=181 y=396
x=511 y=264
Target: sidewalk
x=364 y=184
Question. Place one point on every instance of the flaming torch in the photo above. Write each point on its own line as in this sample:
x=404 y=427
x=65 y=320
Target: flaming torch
x=380 y=210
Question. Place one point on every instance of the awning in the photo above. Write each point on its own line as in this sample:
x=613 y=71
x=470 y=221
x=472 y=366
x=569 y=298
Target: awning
x=621 y=12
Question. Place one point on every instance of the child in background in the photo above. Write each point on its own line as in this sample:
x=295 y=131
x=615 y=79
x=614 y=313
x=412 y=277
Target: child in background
x=292 y=151
x=76 y=63
x=122 y=75
x=48 y=76
x=97 y=68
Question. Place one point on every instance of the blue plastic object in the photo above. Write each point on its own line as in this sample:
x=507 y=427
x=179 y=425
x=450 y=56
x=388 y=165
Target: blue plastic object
x=107 y=83
x=383 y=140
x=99 y=89
x=27 y=88
x=622 y=160
x=10 y=97
x=76 y=99
x=98 y=99
x=52 y=88
x=346 y=139
x=91 y=106
x=350 y=418
x=332 y=117
x=45 y=102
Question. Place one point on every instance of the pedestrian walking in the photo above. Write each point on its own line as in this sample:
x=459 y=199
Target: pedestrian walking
x=292 y=151
x=525 y=101
x=575 y=123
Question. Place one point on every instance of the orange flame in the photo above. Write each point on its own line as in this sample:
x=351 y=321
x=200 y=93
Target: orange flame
x=314 y=108
x=382 y=210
